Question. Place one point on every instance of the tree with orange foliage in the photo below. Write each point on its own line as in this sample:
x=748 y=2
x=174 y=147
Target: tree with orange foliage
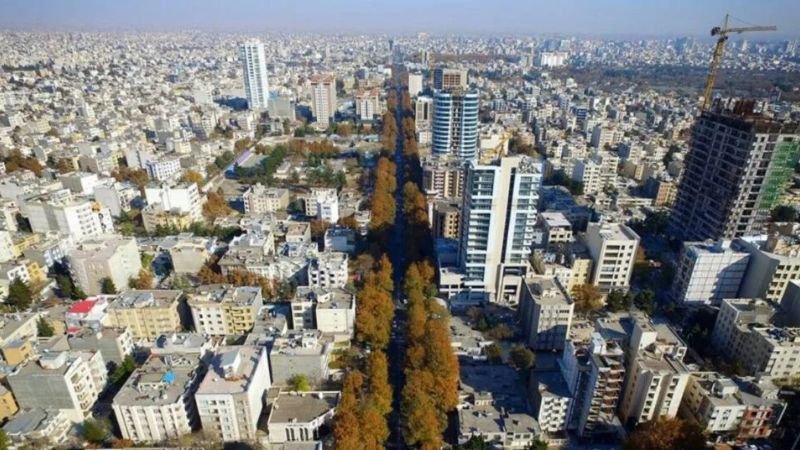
x=374 y=315
x=666 y=433
x=587 y=298
x=137 y=177
x=382 y=276
x=380 y=391
x=143 y=281
x=192 y=176
x=423 y=422
x=346 y=426
x=216 y=206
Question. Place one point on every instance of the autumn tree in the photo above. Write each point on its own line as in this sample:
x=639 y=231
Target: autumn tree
x=382 y=276
x=378 y=382
x=587 y=298
x=346 y=426
x=318 y=228
x=143 y=281
x=216 y=206
x=137 y=177
x=522 y=357
x=192 y=176
x=666 y=433
x=374 y=316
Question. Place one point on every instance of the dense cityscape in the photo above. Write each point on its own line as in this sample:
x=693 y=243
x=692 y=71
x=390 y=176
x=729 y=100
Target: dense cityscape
x=297 y=241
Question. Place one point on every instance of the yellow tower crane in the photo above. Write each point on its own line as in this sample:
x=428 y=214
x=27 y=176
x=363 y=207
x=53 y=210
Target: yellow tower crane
x=719 y=49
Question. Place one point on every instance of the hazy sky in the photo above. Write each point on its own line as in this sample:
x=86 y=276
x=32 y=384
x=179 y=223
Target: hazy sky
x=593 y=17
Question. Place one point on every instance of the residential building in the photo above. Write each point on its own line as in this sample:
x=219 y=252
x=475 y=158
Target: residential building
x=39 y=427
x=155 y=217
x=551 y=400
x=773 y=264
x=555 y=227
x=545 y=312
x=165 y=169
x=730 y=409
x=180 y=199
x=222 y=309
x=259 y=199
x=114 y=344
x=368 y=103
x=323 y=203
x=230 y=396
x=448 y=78
x=443 y=177
x=188 y=254
x=708 y=272
x=735 y=173
x=113 y=257
x=446 y=220
x=328 y=270
x=68 y=381
x=340 y=239
x=304 y=353
x=8 y=406
x=147 y=314
x=323 y=98
x=59 y=211
x=298 y=416
x=654 y=387
x=497 y=220
x=731 y=326
x=551 y=59
x=455 y=124
x=156 y=403
x=613 y=249
x=415 y=83
x=254 y=68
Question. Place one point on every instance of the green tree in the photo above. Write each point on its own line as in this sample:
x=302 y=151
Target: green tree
x=19 y=295
x=522 y=357
x=94 y=431
x=619 y=300
x=107 y=286
x=123 y=371
x=299 y=382
x=784 y=213
x=646 y=301
x=43 y=328
x=538 y=444
x=4 y=440
x=493 y=353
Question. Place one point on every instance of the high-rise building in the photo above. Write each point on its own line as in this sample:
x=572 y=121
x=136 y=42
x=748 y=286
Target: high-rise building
x=368 y=104
x=445 y=78
x=254 y=65
x=323 y=98
x=415 y=84
x=497 y=225
x=455 y=124
x=735 y=173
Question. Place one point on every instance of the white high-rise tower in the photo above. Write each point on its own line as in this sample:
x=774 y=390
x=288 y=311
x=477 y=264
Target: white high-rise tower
x=254 y=65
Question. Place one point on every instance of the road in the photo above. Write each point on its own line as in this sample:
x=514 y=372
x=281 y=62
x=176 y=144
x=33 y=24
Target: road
x=397 y=348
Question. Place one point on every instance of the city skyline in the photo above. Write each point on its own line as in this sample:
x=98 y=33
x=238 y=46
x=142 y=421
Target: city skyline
x=508 y=17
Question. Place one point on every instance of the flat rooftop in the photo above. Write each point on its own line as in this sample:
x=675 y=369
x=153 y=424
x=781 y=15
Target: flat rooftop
x=223 y=293
x=162 y=380
x=302 y=407
x=231 y=370
x=156 y=298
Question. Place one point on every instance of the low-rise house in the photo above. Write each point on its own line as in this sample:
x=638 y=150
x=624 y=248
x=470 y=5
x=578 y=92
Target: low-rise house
x=298 y=416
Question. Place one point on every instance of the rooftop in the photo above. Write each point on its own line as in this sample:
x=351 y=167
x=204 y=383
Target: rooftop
x=223 y=293
x=162 y=380
x=302 y=407
x=157 y=298
x=231 y=370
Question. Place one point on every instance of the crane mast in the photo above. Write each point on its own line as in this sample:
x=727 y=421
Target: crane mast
x=719 y=50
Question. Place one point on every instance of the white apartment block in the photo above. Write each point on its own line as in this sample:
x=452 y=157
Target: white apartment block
x=156 y=403
x=708 y=272
x=164 y=170
x=323 y=203
x=68 y=381
x=335 y=312
x=182 y=199
x=113 y=257
x=6 y=246
x=297 y=416
x=328 y=271
x=546 y=313
x=551 y=59
x=58 y=211
x=552 y=401
x=772 y=351
x=613 y=250
x=259 y=199
x=603 y=136
x=415 y=84
x=230 y=397
x=323 y=98
x=254 y=68
x=589 y=173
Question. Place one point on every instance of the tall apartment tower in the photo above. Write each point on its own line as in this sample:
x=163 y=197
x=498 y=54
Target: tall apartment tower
x=735 y=172
x=455 y=123
x=498 y=217
x=444 y=78
x=323 y=98
x=254 y=65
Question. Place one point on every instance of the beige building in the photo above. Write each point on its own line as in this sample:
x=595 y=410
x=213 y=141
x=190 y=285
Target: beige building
x=772 y=265
x=154 y=216
x=446 y=219
x=260 y=199
x=147 y=314
x=546 y=313
x=613 y=250
x=8 y=407
x=323 y=98
x=113 y=257
x=654 y=388
x=219 y=310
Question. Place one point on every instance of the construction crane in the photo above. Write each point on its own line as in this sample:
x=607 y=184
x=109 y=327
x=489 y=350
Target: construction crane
x=719 y=49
